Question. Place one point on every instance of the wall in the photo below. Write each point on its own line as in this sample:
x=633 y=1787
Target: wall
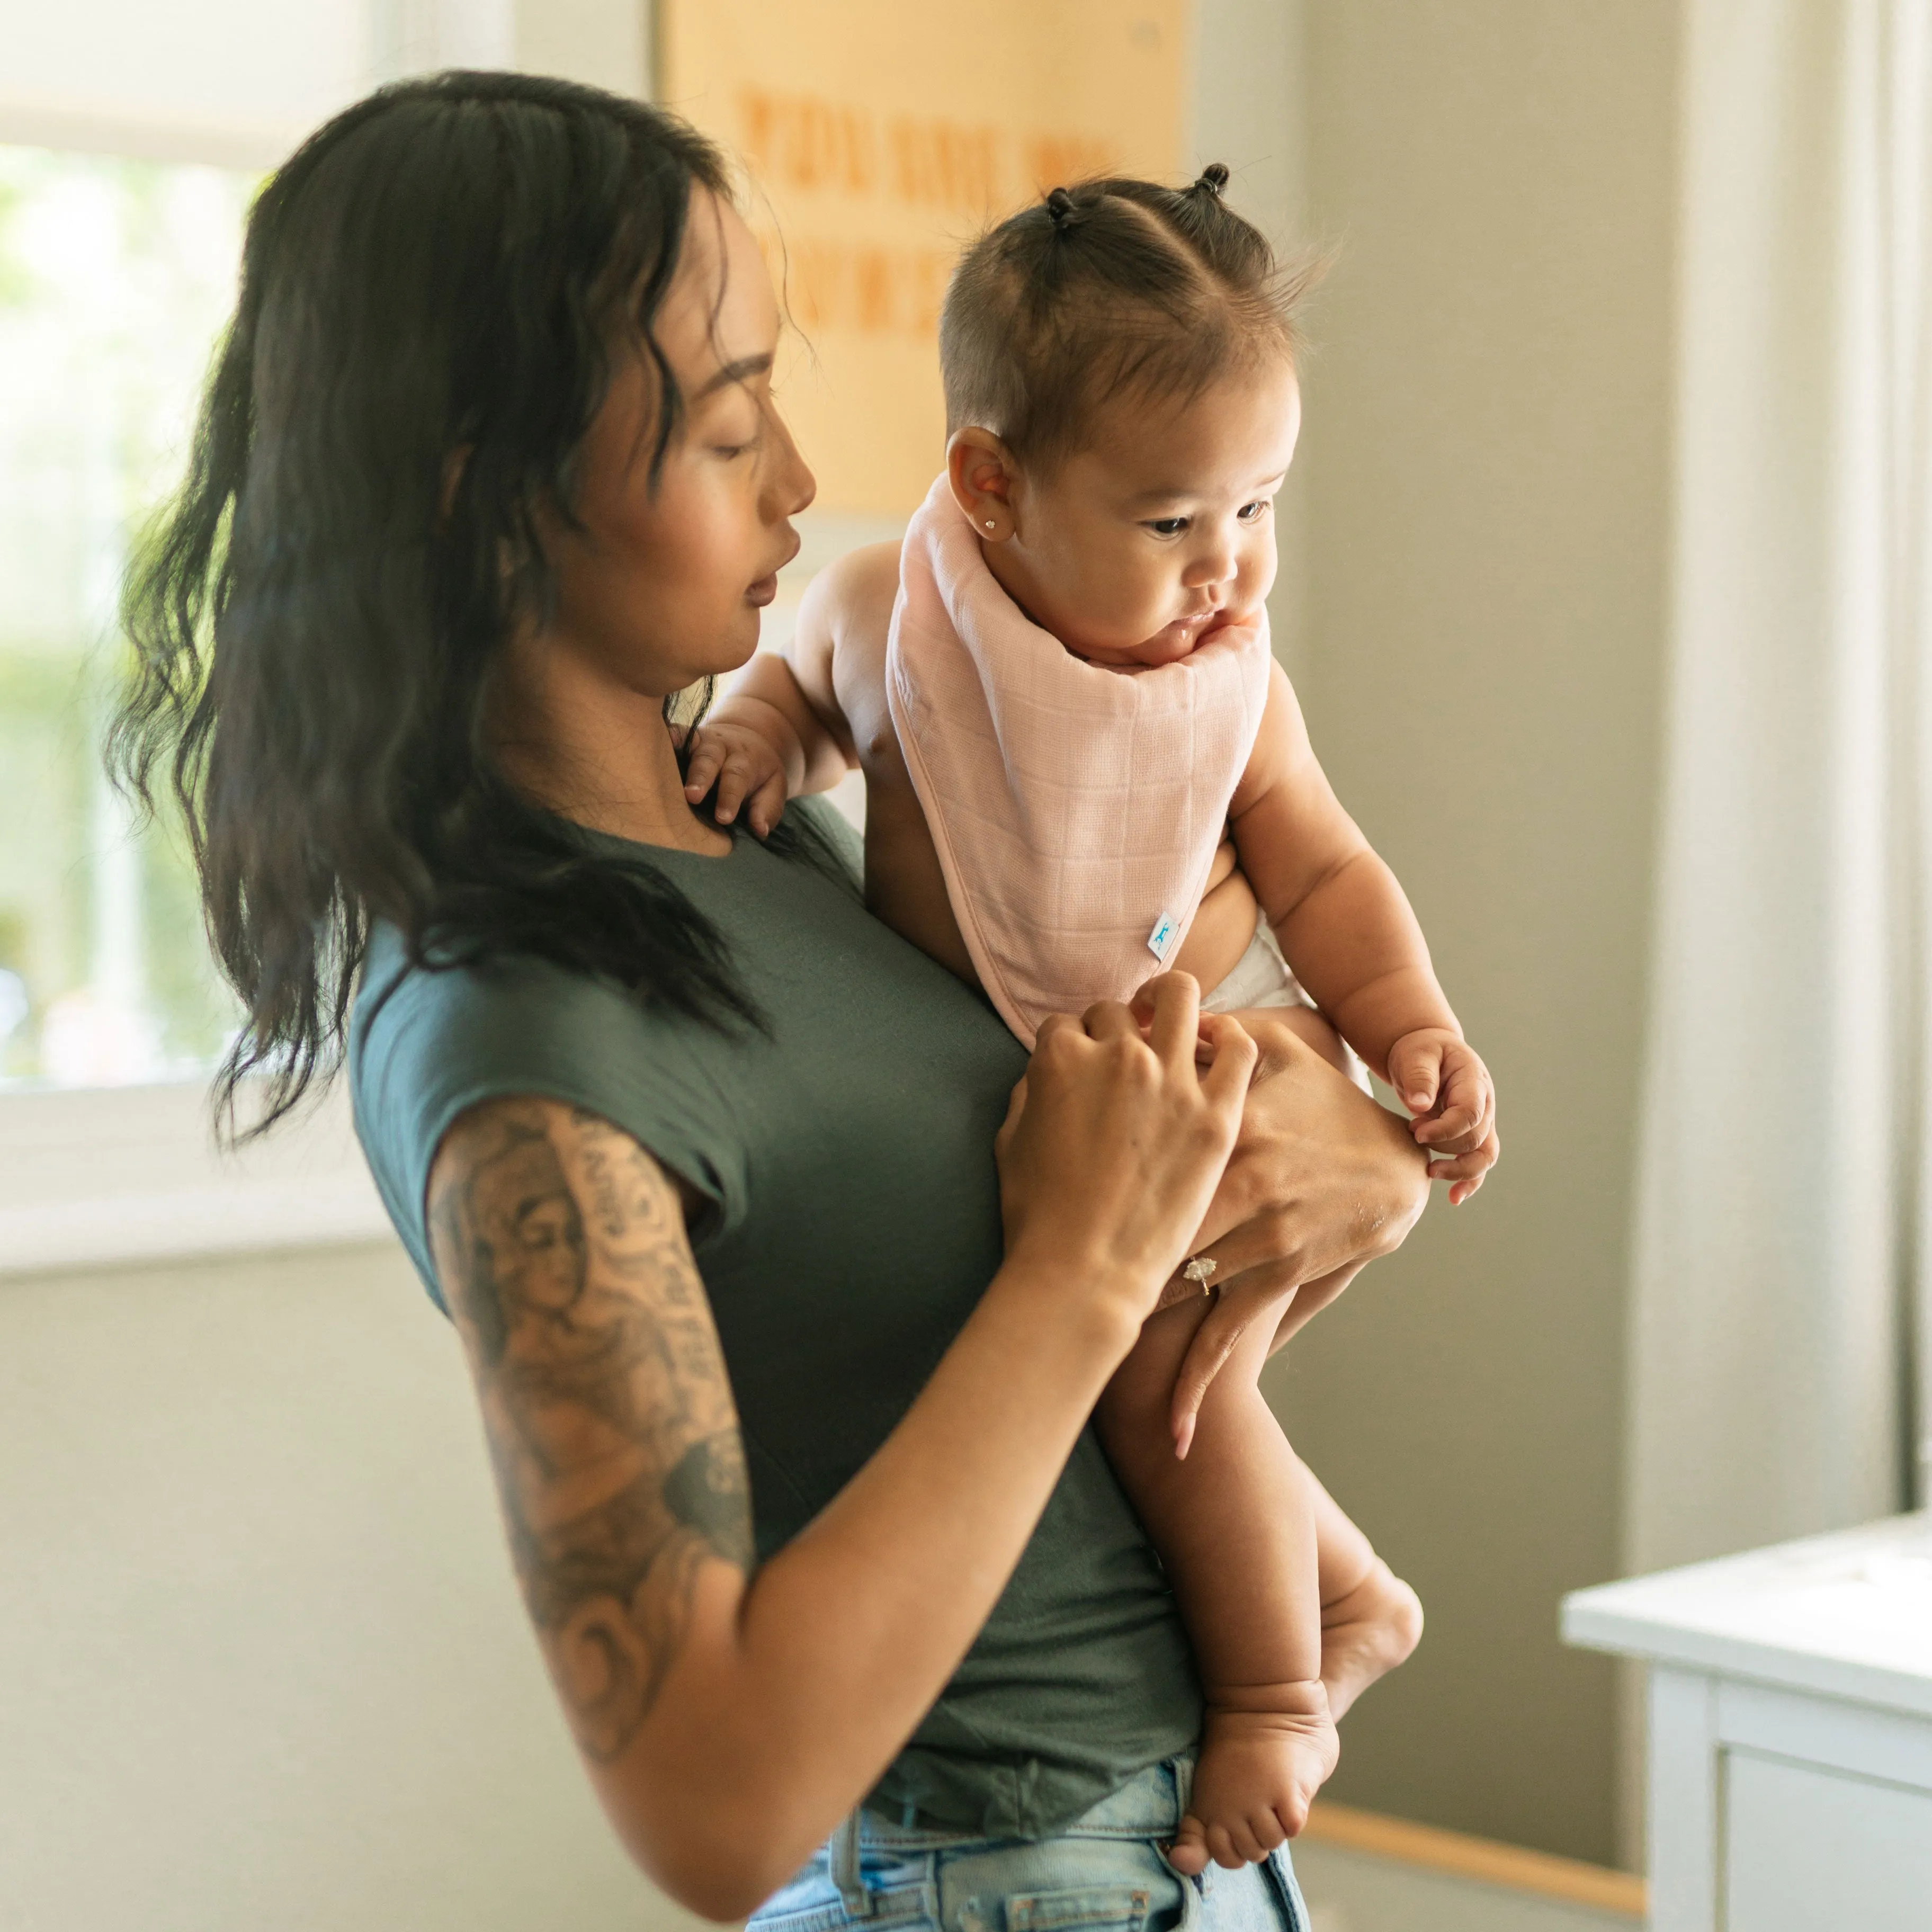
x=264 y=1663
x=1485 y=469
x=1250 y=113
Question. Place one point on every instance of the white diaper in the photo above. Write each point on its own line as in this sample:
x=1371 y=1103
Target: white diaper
x=1262 y=977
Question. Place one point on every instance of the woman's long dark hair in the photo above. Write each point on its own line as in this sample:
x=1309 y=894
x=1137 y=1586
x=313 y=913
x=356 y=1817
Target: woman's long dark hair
x=452 y=266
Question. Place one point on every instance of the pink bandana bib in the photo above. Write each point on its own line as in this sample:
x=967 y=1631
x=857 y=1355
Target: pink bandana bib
x=1076 y=809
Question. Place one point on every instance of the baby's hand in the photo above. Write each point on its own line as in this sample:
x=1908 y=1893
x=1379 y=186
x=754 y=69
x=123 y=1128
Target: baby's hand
x=1441 y=1080
x=747 y=764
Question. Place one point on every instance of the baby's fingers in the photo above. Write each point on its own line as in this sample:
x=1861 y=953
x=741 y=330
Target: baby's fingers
x=1415 y=1071
x=1465 y=1171
x=700 y=770
x=767 y=805
x=1452 y=1131
x=733 y=781
x=1468 y=1106
x=745 y=774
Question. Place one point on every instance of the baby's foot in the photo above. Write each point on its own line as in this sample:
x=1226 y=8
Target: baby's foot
x=1366 y=1633
x=1266 y=1750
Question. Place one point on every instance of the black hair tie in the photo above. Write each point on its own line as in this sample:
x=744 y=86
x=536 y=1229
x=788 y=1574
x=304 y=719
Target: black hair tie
x=1213 y=179
x=1059 y=205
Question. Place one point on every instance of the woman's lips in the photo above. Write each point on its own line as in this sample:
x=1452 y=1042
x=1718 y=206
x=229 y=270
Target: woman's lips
x=766 y=587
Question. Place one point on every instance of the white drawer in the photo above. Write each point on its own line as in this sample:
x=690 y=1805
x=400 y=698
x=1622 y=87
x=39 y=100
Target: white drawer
x=1807 y=1850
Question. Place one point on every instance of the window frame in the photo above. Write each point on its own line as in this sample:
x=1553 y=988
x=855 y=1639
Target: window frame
x=99 y=1178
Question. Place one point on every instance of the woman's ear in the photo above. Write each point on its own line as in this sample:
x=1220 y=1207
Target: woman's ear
x=982 y=473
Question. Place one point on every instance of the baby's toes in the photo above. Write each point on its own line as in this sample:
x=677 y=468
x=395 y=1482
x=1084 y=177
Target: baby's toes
x=1247 y=1842
x=1188 y=1853
x=1290 y=1808
x=1267 y=1828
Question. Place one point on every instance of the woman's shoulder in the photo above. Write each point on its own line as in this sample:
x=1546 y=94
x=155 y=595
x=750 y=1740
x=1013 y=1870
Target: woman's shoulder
x=430 y=1039
x=411 y=1012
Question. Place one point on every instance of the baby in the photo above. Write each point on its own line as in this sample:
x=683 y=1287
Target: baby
x=1082 y=766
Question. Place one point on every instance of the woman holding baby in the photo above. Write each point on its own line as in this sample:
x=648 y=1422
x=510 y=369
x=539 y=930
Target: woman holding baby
x=789 y=1283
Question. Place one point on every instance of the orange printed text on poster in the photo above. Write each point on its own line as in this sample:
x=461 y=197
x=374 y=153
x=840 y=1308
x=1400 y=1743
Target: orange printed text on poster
x=879 y=136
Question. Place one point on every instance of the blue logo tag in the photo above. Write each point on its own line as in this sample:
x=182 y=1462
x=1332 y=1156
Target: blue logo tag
x=1160 y=941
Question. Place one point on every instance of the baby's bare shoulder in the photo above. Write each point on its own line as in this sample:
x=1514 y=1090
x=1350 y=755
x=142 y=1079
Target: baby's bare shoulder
x=860 y=588
x=855 y=617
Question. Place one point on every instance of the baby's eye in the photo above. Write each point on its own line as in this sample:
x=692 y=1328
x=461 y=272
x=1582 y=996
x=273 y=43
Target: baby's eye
x=1168 y=526
x=1252 y=513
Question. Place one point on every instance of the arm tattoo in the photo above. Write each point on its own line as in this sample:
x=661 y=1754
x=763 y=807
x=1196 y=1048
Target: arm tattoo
x=611 y=1423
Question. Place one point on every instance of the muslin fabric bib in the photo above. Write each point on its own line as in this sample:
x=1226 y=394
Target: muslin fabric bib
x=1076 y=809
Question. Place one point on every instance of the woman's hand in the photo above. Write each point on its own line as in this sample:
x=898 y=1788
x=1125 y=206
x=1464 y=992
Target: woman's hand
x=1321 y=1181
x=1117 y=1138
x=1320 y=1178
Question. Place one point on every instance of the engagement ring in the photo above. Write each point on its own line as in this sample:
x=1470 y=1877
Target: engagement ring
x=1200 y=1271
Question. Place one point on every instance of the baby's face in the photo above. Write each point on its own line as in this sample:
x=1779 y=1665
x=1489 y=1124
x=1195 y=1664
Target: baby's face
x=1135 y=550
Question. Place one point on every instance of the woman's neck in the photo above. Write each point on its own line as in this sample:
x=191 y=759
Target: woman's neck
x=597 y=754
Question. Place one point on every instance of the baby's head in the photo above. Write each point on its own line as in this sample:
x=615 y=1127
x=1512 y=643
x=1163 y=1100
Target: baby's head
x=1121 y=407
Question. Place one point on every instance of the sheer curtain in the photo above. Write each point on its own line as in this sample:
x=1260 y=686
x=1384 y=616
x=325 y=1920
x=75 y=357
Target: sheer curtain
x=1778 y=1374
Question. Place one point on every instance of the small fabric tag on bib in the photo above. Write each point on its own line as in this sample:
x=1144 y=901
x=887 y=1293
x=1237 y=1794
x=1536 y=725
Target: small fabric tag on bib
x=1160 y=941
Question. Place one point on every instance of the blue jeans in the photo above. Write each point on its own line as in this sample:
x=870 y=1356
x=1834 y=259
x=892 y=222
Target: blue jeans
x=1104 y=1873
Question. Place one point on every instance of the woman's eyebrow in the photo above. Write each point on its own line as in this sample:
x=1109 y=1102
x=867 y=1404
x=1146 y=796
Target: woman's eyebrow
x=741 y=371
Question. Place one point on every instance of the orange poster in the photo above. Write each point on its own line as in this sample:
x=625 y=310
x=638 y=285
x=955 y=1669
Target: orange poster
x=879 y=137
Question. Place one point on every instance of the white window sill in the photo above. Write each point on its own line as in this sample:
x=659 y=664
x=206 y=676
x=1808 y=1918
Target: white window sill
x=129 y=1177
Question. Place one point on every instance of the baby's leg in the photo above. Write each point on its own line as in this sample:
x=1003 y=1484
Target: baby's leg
x=1235 y=1524
x=1371 y=1619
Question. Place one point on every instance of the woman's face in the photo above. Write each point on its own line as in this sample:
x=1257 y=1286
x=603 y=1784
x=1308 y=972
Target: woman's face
x=662 y=586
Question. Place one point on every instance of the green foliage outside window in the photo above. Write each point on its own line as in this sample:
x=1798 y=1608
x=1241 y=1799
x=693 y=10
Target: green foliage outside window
x=115 y=277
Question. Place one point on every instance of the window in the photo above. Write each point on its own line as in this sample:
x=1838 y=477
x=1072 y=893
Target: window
x=115 y=276
x=130 y=139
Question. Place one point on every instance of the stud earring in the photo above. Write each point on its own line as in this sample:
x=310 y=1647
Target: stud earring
x=989 y=523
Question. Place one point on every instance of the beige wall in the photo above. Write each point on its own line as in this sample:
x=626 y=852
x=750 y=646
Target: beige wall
x=1485 y=474
x=262 y=1660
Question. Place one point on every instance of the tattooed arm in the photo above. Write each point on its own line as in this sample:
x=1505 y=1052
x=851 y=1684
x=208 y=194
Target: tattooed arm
x=729 y=1720
x=609 y=1419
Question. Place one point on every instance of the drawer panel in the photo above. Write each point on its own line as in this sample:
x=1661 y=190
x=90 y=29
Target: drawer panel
x=1812 y=1850
x=1894 y=1746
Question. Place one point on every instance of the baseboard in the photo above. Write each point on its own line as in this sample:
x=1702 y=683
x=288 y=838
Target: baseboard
x=1488 y=1862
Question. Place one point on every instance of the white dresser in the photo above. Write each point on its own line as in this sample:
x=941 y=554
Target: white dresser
x=1790 y=1751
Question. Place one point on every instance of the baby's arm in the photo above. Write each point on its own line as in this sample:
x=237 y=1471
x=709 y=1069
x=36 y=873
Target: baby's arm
x=1347 y=931
x=782 y=732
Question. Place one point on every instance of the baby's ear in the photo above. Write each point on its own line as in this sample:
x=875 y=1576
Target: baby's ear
x=982 y=472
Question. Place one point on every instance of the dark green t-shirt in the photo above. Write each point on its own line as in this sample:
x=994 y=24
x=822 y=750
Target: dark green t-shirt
x=847 y=1153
